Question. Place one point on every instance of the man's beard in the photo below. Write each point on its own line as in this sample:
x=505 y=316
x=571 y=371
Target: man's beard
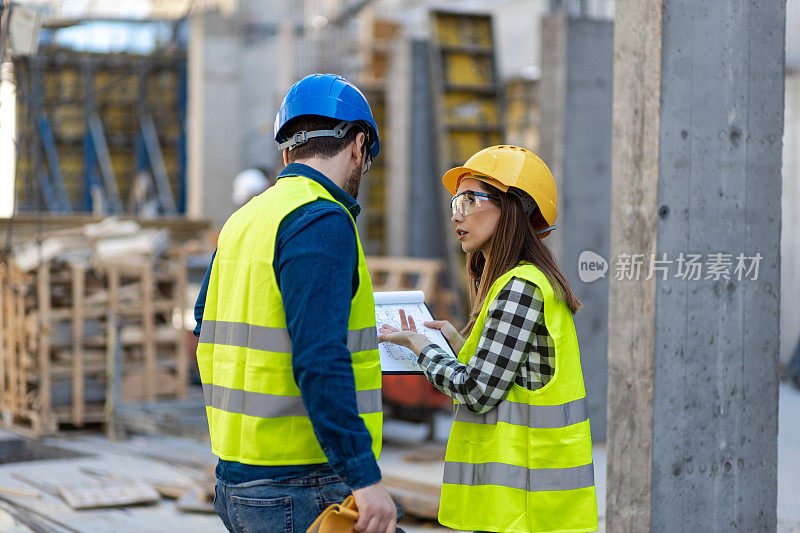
x=353 y=181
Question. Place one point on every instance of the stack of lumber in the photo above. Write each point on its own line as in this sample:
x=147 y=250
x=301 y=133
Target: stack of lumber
x=90 y=316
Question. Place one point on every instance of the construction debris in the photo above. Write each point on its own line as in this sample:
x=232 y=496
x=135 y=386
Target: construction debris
x=110 y=240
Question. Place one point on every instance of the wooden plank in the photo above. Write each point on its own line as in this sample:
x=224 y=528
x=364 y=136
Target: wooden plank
x=394 y=280
x=22 y=340
x=159 y=306
x=416 y=498
x=196 y=500
x=111 y=493
x=112 y=390
x=11 y=348
x=78 y=282
x=133 y=335
x=135 y=385
x=424 y=271
x=45 y=401
x=3 y=334
x=182 y=357
x=171 y=491
x=18 y=492
x=148 y=317
x=415 y=274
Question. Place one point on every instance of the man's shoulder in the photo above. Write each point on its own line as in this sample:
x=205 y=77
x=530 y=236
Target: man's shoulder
x=316 y=209
x=319 y=211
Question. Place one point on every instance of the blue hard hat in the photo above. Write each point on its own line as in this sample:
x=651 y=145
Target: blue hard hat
x=327 y=95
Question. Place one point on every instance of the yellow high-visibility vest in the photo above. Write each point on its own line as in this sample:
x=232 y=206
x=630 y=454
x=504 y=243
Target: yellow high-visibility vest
x=526 y=464
x=255 y=412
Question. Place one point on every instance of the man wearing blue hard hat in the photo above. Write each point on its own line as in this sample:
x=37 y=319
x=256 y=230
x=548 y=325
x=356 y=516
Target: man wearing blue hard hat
x=288 y=350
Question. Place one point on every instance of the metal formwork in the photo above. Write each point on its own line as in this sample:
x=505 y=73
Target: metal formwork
x=98 y=131
x=467 y=99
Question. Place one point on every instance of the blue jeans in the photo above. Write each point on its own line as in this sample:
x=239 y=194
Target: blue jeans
x=278 y=505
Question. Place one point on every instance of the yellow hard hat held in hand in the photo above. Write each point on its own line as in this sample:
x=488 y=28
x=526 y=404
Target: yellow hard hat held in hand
x=515 y=170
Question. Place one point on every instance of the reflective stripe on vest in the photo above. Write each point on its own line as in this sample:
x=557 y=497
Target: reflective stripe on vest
x=519 y=477
x=273 y=339
x=273 y=405
x=534 y=416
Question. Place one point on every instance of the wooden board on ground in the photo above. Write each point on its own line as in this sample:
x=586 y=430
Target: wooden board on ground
x=197 y=500
x=108 y=494
x=171 y=491
x=416 y=498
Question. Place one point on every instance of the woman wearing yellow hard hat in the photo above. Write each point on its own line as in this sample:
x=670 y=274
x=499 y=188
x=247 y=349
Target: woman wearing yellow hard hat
x=519 y=455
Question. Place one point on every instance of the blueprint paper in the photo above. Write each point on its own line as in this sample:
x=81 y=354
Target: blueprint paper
x=397 y=359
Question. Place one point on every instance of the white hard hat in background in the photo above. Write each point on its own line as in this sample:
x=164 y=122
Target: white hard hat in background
x=248 y=183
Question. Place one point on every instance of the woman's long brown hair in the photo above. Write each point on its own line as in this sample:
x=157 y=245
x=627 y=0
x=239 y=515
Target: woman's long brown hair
x=514 y=240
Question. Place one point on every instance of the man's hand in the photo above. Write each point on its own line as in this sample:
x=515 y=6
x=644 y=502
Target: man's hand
x=376 y=510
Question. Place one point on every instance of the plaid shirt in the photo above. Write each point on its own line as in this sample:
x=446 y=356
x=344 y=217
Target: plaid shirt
x=515 y=347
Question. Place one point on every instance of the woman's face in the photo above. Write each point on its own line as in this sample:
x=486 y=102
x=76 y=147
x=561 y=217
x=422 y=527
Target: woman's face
x=476 y=229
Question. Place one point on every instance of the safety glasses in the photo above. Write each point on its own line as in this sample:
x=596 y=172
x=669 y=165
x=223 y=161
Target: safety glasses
x=469 y=202
x=367 y=164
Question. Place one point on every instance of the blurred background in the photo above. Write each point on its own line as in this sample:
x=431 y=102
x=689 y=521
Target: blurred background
x=141 y=125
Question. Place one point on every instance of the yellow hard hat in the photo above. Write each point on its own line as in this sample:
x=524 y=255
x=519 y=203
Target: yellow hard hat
x=505 y=166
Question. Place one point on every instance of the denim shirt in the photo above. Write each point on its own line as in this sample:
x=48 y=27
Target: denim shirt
x=316 y=260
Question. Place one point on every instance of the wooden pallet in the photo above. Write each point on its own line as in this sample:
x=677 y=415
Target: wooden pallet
x=78 y=339
x=414 y=274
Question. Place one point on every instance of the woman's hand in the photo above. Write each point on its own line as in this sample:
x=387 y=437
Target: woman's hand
x=450 y=333
x=408 y=336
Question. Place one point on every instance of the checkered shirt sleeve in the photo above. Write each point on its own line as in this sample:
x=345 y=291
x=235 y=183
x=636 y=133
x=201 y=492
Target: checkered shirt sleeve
x=514 y=347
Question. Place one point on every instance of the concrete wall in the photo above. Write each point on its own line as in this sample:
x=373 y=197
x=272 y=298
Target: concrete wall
x=576 y=144
x=698 y=121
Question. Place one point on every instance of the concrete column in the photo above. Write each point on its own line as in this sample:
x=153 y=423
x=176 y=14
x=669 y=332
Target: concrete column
x=215 y=125
x=425 y=231
x=576 y=141
x=552 y=102
x=692 y=396
x=399 y=100
x=790 y=244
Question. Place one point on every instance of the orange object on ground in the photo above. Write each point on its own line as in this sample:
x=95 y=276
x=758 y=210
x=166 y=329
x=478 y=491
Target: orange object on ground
x=413 y=391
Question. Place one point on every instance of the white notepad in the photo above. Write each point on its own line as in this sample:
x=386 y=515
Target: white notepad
x=397 y=359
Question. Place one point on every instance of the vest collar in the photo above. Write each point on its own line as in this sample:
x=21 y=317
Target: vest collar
x=299 y=169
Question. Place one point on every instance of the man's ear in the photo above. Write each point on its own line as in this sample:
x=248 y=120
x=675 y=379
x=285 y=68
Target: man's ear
x=285 y=156
x=358 y=145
